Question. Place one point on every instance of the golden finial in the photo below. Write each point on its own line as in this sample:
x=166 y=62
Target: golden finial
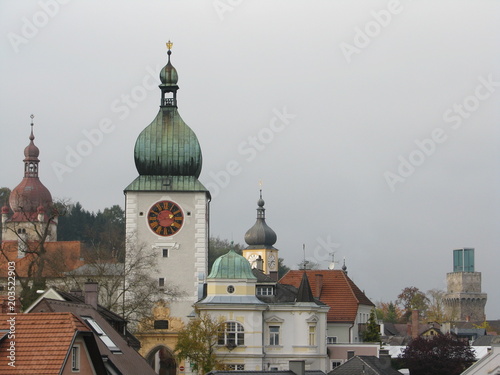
x=169 y=45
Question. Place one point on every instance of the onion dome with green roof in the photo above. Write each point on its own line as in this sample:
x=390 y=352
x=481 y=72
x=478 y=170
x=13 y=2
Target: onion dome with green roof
x=167 y=153
x=231 y=266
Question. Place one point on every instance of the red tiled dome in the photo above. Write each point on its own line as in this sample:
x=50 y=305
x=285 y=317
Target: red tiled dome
x=29 y=195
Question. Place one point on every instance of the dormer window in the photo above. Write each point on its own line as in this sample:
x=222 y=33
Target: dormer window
x=265 y=291
x=102 y=334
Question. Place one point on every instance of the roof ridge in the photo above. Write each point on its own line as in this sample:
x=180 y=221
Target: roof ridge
x=349 y=283
x=368 y=364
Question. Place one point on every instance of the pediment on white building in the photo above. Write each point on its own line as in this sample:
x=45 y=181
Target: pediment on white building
x=274 y=319
x=312 y=319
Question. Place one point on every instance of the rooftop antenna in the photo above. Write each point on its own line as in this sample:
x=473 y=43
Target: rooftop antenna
x=305 y=262
x=332 y=263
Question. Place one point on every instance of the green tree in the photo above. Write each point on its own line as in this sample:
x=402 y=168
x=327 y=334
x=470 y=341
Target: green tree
x=218 y=247
x=435 y=311
x=32 y=244
x=4 y=198
x=372 y=332
x=411 y=298
x=282 y=268
x=484 y=325
x=440 y=354
x=388 y=312
x=197 y=343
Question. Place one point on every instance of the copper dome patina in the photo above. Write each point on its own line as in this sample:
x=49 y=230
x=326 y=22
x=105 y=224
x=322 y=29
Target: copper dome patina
x=260 y=235
x=168 y=75
x=168 y=146
x=231 y=266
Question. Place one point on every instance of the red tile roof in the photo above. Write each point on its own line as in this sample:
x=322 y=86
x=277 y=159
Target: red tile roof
x=42 y=342
x=60 y=257
x=338 y=291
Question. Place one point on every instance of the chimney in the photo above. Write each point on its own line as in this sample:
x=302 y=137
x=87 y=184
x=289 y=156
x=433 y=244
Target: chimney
x=298 y=367
x=414 y=324
x=259 y=263
x=90 y=290
x=384 y=359
x=319 y=285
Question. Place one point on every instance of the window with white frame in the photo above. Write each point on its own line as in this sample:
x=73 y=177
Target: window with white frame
x=265 y=291
x=75 y=358
x=232 y=334
x=274 y=335
x=236 y=367
x=312 y=335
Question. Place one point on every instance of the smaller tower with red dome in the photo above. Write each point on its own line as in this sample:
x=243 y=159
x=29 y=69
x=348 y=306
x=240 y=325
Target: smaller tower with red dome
x=30 y=203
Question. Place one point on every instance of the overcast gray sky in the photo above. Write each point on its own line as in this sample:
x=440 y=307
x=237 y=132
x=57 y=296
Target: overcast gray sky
x=372 y=124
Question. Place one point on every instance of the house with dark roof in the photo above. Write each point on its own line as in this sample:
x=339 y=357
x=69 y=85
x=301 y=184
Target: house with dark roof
x=268 y=331
x=47 y=344
x=295 y=368
x=117 y=347
x=366 y=365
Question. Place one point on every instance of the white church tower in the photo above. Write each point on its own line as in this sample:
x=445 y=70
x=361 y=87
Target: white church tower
x=166 y=206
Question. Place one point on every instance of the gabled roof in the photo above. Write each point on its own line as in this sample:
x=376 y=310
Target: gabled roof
x=365 y=364
x=60 y=257
x=489 y=364
x=262 y=277
x=42 y=342
x=127 y=362
x=338 y=291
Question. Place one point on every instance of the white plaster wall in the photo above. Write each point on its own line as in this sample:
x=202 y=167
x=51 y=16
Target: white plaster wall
x=188 y=248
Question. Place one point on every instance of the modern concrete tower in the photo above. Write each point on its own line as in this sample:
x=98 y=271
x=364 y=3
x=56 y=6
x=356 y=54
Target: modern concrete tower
x=464 y=300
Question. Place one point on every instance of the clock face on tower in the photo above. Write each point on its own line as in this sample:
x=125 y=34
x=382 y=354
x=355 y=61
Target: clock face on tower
x=252 y=258
x=165 y=218
x=272 y=262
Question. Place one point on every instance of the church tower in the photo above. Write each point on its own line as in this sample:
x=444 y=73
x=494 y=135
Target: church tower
x=30 y=203
x=260 y=239
x=464 y=300
x=166 y=206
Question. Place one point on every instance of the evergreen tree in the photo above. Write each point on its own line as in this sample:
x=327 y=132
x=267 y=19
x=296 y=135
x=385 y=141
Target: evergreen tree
x=372 y=333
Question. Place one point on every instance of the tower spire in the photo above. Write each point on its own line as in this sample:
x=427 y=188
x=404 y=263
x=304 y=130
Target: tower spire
x=31 y=153
x=260 y=234
x=169 y=78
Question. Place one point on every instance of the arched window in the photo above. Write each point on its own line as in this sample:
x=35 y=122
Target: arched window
x=231 y=335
